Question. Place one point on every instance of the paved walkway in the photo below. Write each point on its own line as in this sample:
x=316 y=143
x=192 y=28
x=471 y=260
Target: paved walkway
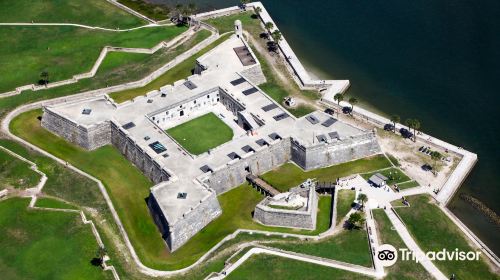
x=412 y=245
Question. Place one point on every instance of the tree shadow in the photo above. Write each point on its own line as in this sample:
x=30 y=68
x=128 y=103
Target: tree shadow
x=96 y=262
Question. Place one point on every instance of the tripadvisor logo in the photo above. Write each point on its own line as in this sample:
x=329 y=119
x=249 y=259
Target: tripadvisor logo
x=388 y=255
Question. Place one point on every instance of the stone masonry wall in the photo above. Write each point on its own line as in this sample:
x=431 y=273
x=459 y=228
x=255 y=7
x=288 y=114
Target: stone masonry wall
x=260 y=162
x=193 y=221
x=90 y=138
x=326 y=154
x=135 y=154
x=287 y=218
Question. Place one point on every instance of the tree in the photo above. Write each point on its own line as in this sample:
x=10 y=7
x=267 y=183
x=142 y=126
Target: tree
x=356 y=220
x=353 y=101
x=277 y=36
x=435 y=156
x=413 y=124
x=269 y=25
x=395 y=119
x=362 y=198
x=44 y=77
x=338 y=97
x=258 y=10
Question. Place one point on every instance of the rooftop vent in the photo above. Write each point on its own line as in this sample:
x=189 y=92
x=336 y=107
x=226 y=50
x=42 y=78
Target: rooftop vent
x=190 y=85
x=269 y=107
x=334 y=135
x=312 y=119
x=181 y=195
x=281 y=116
x=233 y=155
x=150 y=100
x=163 y=95
x=247 y=149
x=261 y=142
x=238 y=81
x=275 y=136
x=128 y=125
x=321 y=138
x=86 y=111
x=250 y=91
x=329 y=122
x=157 y=147
x=206 y=169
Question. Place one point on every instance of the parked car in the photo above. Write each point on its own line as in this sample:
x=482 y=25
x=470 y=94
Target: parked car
x=405 y=133
x=389 y=127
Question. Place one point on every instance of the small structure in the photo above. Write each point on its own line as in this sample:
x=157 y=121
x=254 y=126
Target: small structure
x=290 y=101
x=378 y=180
x=296 y=208
x=238 y=29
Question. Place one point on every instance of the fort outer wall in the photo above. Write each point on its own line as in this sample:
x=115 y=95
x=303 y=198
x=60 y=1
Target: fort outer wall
x=282 y=151
x=89 y=137
x=336 y=152
x=289 y=218
x=178 y=233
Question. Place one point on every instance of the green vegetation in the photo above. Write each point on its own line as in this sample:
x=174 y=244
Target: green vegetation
x=408 y=185
x=201 y=134
x=64 y=51
x=273 y=267
x=283 y=207
x=434 y=231
x=151 y=10
x=348 y=246
x=290 y=175
x=345 y=199
x=46 y=202
x=45 y=244
x=393 y=174
x=394 y=160
x=401 y=269
x=179 y=72
x=15 y=173
x=89 y=12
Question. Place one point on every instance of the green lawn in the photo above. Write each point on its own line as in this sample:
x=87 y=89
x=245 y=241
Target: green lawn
x=15 y=173
x=64 y=51
x=179 y=72
x=394 y=160
x=433 y=231
x=201 y=134
x=345 y=199
x=150 y=9
x=45 y=244
x=273 y=267
x=46 y=202
x=348 y=246
x=408 y=185
x=90 y=12
x=290 y=175
x=394 y=175
x=401 y=269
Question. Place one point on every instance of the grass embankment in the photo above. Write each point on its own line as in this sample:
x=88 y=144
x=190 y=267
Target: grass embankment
x=408 y=185
x=393 y=174
x=290 y=175
x=15 y=173
x=201 y=134
x=154 y=11
x=46 y=202
x=345 y=199
x=117 y=68
x=45 y=244
x=434 y=231
x=128 y=188
x=64 y=51
x=348 y=246
x=276 y=88
x=90 y=12
x=179 y=72
x=273 y=267
x=401 y=269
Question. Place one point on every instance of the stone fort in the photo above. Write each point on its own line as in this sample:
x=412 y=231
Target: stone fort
x=225 y=82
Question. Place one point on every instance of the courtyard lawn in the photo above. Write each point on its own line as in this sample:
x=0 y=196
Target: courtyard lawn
x=15 y=173
x=273 y=267
x=178 y=72
x=433 y=231
x=345 y=199
x=201 y=134
x=401 y=269
x=290 y=175
x=40 y=244
x=394 y=175
x=90 y=12
x=348 y=246
x=64 y=51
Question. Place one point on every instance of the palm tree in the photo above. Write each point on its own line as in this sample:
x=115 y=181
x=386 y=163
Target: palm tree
x=413 y=124
x=44 y=76
x=435 y=156
x=353 y=101
x=395 y=119
x=277 y=36
x=362 y=198
x=338 y=97
x=258 y=10
x=269 y=25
